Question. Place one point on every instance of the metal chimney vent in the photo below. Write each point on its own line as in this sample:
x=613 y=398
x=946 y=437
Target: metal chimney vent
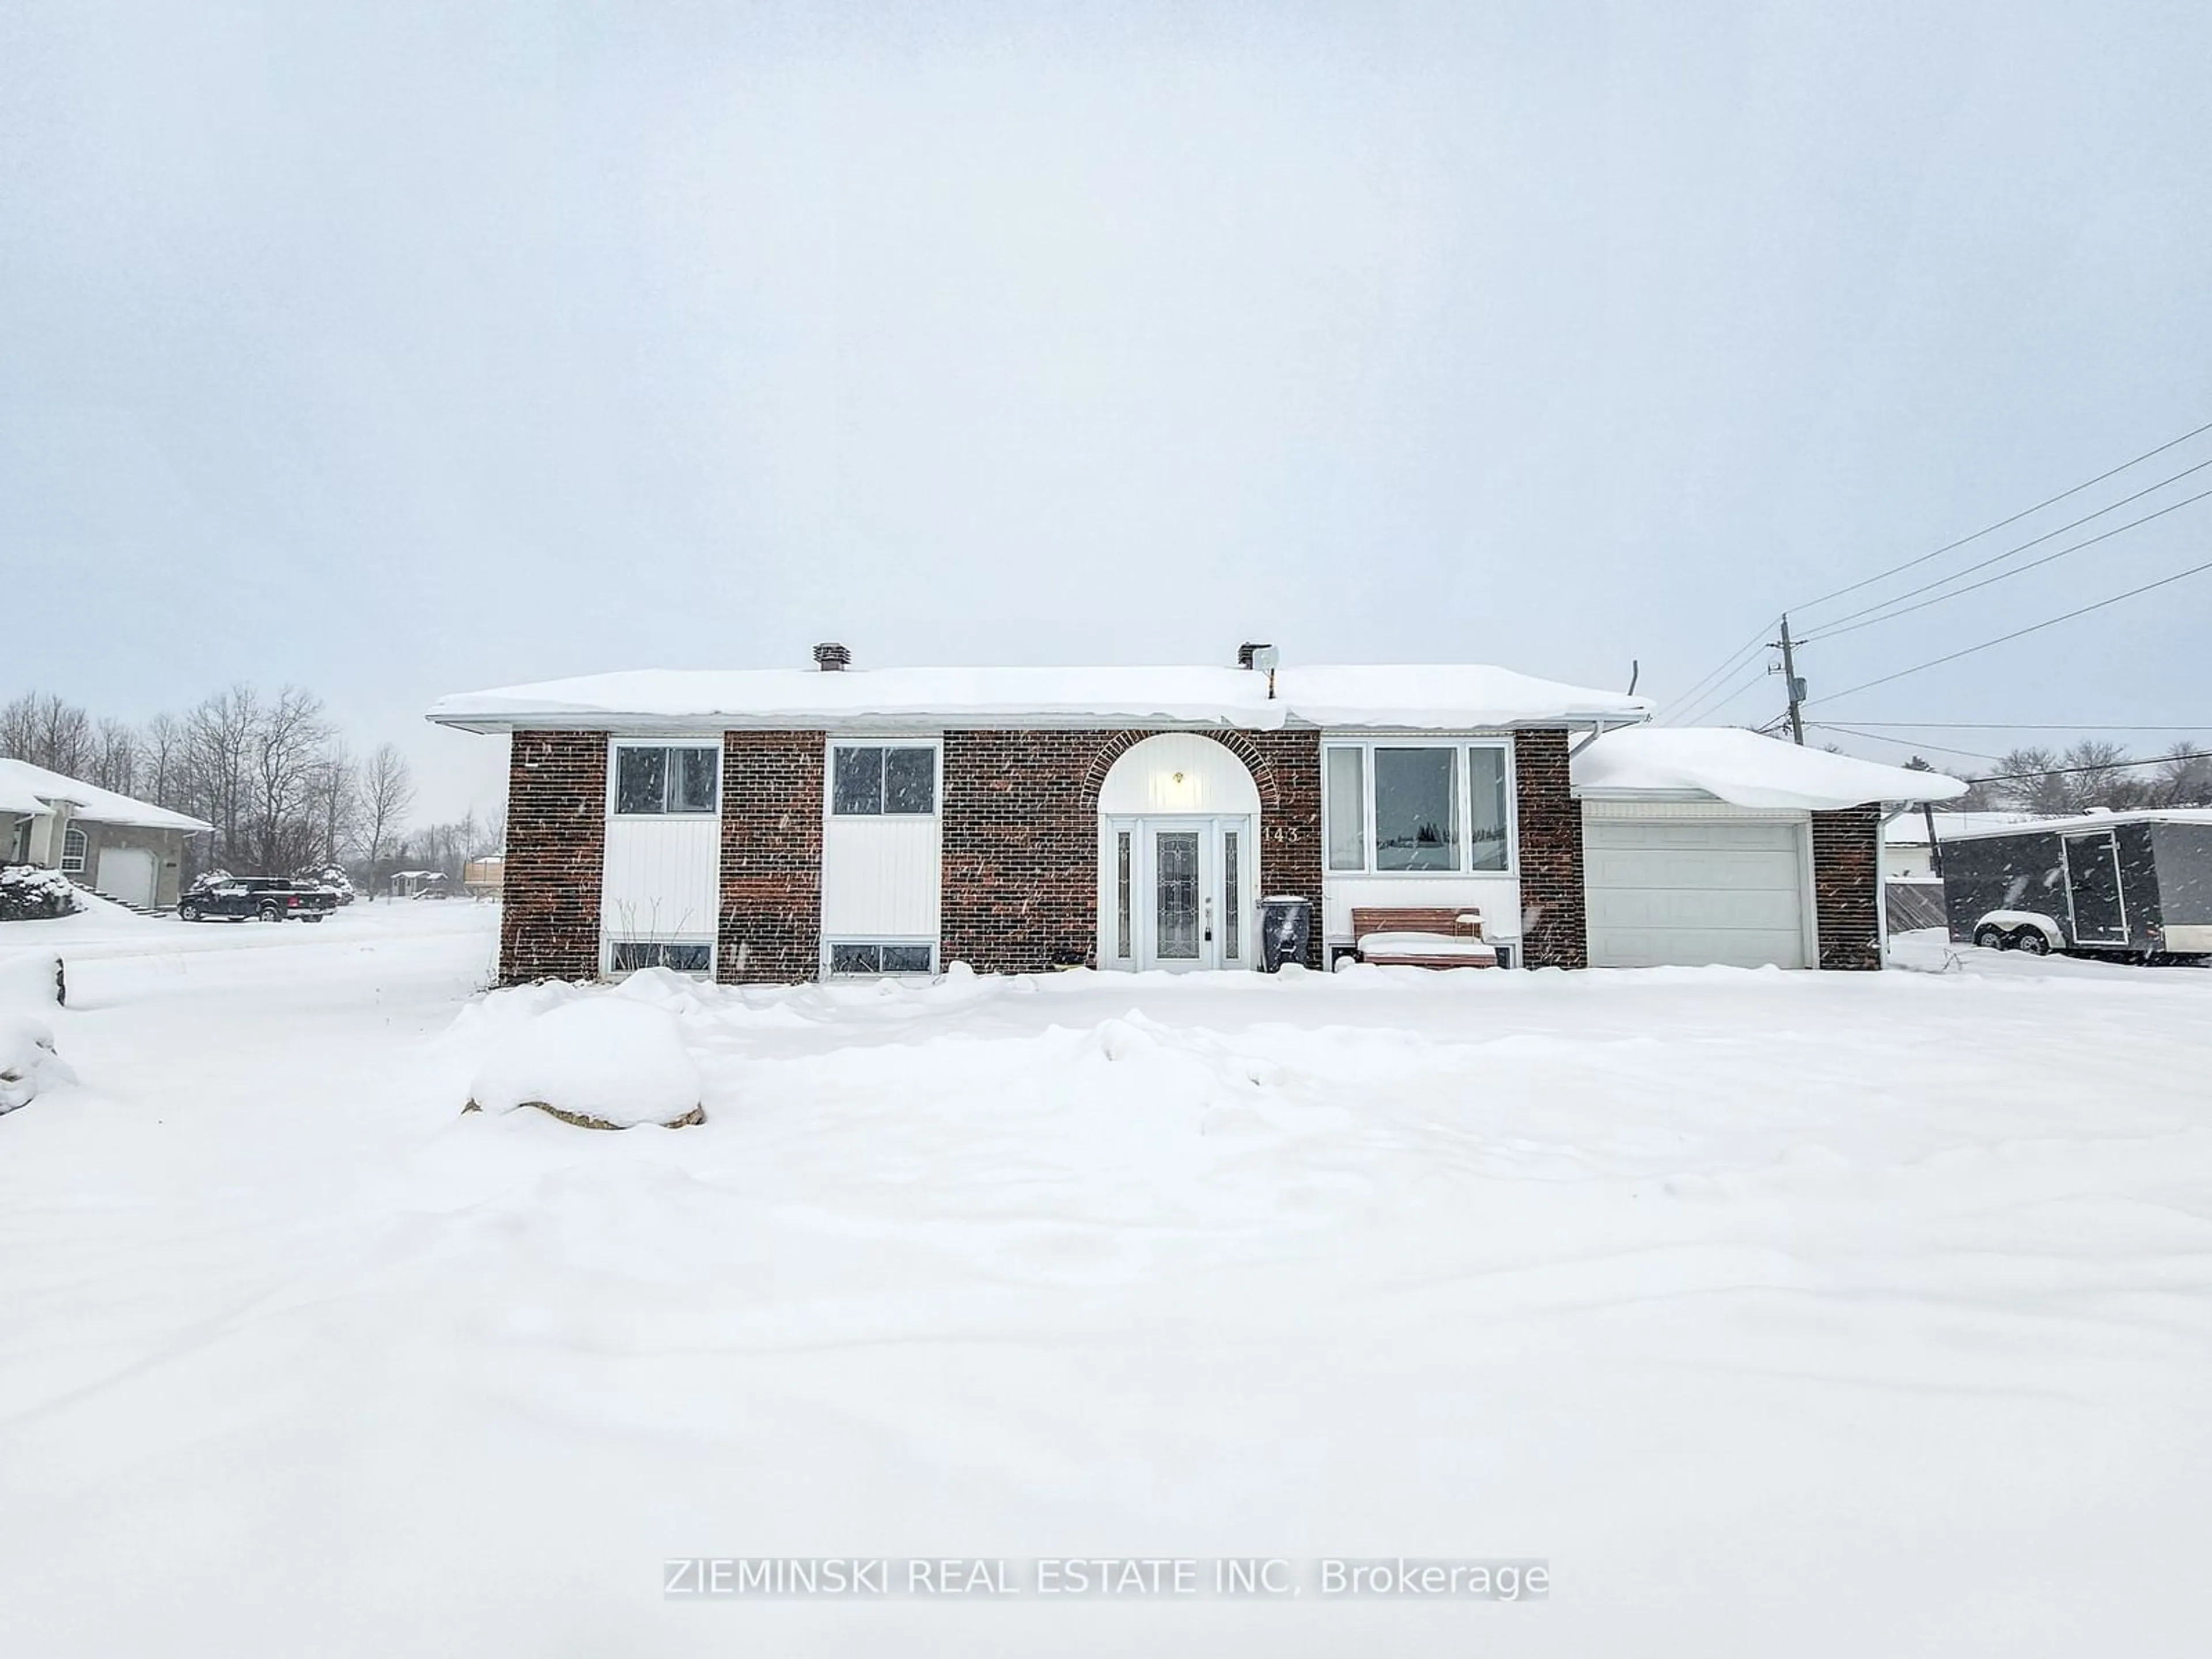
x=832 y=658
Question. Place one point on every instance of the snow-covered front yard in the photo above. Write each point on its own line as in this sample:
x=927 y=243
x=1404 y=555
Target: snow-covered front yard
x=1780 y=1314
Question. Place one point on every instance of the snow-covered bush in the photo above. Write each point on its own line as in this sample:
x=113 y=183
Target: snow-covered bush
x=604 y=1062
x=27 y=1061
x=30 y=893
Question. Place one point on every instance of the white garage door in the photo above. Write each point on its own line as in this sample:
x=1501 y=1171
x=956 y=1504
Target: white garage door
x=126 y=873
x=1689 y=891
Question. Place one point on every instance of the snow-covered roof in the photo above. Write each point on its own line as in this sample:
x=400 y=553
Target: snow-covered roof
x=2098 y=821
x=1447 y=697
x=1745 y=770
x=21 y=782
x=1911 y=829
x=16 y=799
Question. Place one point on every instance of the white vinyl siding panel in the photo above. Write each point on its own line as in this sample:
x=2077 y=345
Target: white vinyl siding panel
x=880 y=877
x=662 y=879
x=1695 y=890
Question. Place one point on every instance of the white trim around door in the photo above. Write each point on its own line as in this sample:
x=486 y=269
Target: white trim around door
x=1178 y=892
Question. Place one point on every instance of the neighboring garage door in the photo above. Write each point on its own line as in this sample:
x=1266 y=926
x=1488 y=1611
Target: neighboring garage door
x=1695 y=890
x=127 y=874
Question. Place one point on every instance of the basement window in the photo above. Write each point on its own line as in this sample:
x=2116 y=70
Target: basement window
x=666 y=781
x=868 y=958
x=626 y=956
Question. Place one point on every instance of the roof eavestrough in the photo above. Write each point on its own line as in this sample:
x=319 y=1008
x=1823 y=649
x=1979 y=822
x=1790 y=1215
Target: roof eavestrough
x=1460 y=697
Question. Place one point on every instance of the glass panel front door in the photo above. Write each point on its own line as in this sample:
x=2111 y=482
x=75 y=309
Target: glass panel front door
x=1173 y=892
x=1175 y=896
x=2092 y=870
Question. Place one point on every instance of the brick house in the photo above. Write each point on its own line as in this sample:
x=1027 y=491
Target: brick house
x=774 y=825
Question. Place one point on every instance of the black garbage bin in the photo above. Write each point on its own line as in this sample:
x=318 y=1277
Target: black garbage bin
x=1286 y=930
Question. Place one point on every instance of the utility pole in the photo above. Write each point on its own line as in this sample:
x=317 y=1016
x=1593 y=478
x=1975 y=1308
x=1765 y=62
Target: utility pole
x=1793 y=685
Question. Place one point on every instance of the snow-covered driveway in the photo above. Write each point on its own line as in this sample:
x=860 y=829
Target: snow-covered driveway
x=1782 y=1314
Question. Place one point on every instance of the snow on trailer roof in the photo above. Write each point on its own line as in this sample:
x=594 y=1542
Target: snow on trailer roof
x=1745 y=770
x=1912 y=828
x=33 y=789
x=2094 y=820
x=1443 y=697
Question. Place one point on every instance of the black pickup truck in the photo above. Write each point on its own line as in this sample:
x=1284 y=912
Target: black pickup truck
x=267 y=898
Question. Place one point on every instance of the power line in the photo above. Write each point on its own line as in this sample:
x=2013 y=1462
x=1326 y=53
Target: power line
x=2018 y=726
x=1905 y=743
x=2018 y=632
x=2040 y=772
x=1727 y=693
x=1734 y=695
x=1727 y=665
x=1991 y=529
x=1849 y=623
x=2074 y=771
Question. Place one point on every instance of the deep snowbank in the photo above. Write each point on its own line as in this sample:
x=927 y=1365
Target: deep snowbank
x=603 y=1060
x=1816 y=1315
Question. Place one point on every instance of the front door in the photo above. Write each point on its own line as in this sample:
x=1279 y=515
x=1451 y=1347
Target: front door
x=1180 y=899
x=2093 y=887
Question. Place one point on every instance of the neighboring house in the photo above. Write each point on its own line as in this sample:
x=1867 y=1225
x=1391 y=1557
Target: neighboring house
x=128 y=850
x=774 y=825
x=1905 y=855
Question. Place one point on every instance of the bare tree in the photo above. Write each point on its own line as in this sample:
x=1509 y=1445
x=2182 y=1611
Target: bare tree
x=2185 y=778
x=115 y=756
x=334 y=791
x=388 y=795
x=43 y=730
x=19 y=728
x=283 y=750
x=161 y=755
x=218 y=736
x=2030 y=782
x=2094 y=775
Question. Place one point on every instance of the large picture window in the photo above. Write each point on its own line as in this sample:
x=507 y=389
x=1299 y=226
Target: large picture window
x=73 y=845
x=1418 y=808
x=879 y=780
x=1416 y=814
x=655 y=782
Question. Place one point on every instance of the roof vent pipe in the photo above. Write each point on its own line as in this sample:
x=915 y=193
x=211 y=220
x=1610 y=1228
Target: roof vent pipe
x=832 y=658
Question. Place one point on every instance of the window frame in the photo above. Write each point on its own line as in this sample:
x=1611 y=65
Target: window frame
x=614 y=942
x=931 y=741
x=880 y=943
x=74 y=837
x=618 y=746
x=1462 y=745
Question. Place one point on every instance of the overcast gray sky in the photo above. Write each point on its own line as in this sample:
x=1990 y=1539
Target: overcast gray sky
x=402 y=349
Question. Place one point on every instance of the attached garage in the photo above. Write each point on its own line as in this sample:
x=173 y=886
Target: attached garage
x=1724 y=848
x=1686 y=883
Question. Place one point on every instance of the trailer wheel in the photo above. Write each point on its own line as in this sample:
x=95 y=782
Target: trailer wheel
x=2032 y=940
x=1993 y=938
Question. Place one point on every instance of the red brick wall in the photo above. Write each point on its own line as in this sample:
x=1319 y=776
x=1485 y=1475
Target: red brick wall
x=557 y=838
x=771 y=921
x=1555 y=933
x=1020 y=837
x=1846 y=887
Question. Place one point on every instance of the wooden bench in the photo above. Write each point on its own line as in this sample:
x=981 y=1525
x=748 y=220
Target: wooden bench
x=1445 y=936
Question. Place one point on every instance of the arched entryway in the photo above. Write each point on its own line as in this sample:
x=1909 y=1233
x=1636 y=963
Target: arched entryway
x=1178 y=856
